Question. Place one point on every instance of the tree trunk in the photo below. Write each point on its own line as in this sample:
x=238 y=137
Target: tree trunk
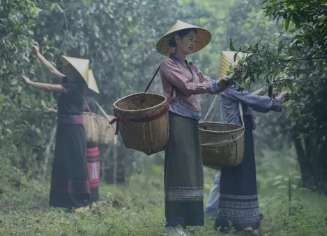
x=311 y=154
x=306 y=169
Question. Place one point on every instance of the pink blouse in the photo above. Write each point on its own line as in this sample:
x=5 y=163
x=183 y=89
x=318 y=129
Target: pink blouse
x=182 y=88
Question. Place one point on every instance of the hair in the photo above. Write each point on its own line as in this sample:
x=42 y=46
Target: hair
x=181 y=34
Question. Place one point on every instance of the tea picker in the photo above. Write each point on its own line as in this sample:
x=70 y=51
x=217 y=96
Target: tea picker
x=69 y=180
x=238 y=203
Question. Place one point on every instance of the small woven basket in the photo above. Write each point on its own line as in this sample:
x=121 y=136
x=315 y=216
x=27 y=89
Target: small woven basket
x=222 y=144
x=98 y=128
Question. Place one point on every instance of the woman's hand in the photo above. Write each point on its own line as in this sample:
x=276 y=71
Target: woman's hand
x=27 y=80
x=217 y=86
x=35 y=49
x=283 y=97
x=224 y=82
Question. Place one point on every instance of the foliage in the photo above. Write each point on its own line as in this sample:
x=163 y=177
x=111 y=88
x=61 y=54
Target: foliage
x=299 y=61
x=289 y=56
x=211 y=15
x=19 y=108
x=117 y=36
x=288 y=208
x=299 y=65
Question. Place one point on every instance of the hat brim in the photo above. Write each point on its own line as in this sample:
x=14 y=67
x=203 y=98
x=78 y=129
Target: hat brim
x=81 y=66
x=91 y=82
x=203 y=38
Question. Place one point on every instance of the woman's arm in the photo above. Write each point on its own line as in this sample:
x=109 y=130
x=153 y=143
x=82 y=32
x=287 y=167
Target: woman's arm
x=217 y=85
x=260 y=91
x=256 y=102
x=44 y=86
x=282 y=97
x=45 y=62
x=171 y=72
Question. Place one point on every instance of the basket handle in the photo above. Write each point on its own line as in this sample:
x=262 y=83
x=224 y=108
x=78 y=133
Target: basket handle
x=240 y=107
x=87 y=105
x=102 y=111
x=98 y=106
x=150 y=82
x=211 y=107
x=111 y=121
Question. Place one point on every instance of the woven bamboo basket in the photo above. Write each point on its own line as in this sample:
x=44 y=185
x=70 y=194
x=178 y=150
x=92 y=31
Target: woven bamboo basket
x=98 y=129
x=222 y=145
x=143 y=121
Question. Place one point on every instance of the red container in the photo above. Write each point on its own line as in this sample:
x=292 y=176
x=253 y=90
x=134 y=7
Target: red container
x=93 y=166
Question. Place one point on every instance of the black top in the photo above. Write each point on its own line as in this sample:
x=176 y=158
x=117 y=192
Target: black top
x=71 y=100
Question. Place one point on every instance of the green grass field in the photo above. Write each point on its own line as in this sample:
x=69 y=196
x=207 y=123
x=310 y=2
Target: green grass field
x=138 y=208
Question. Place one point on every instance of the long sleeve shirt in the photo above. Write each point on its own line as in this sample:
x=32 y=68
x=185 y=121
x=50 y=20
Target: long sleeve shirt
x=230 y=105
x=182 y=85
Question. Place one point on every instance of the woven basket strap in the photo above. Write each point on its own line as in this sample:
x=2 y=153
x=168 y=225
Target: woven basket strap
x=240 y=107
x=111 y=121
x=87 y=105
x=102 y=110
x=150 y=82
x=211 y=107
x=117 y=121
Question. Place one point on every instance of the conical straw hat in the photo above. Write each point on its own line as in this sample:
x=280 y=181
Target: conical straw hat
x=203 y=37
x=91 y=83
x=229 y=60
x=82 y=67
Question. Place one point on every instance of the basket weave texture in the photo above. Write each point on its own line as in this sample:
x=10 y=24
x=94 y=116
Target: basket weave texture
x=98 y=128
x=222 y=145
x=143 y=121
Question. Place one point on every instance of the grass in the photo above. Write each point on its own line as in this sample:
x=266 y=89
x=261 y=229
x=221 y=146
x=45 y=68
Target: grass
x=138 y=208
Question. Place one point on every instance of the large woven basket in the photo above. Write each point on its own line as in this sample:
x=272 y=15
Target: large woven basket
x=98 y=129
x=222 y=145
x=143 y=121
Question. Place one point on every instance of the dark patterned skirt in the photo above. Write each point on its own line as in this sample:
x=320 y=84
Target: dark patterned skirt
x=238 y=204
x=69 y=180
x=183 y=173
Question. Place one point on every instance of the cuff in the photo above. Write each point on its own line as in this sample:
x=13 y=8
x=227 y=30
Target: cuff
x=215 y=87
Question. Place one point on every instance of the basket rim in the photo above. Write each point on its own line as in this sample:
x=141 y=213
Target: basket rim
x=139 y=110
x=240 y=128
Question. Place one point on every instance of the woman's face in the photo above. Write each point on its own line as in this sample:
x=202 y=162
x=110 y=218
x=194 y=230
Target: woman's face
x=186 y=44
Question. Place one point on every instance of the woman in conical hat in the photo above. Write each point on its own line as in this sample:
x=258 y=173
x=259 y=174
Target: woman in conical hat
x=69 y=181
x=237 y=205
x=182 y=84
